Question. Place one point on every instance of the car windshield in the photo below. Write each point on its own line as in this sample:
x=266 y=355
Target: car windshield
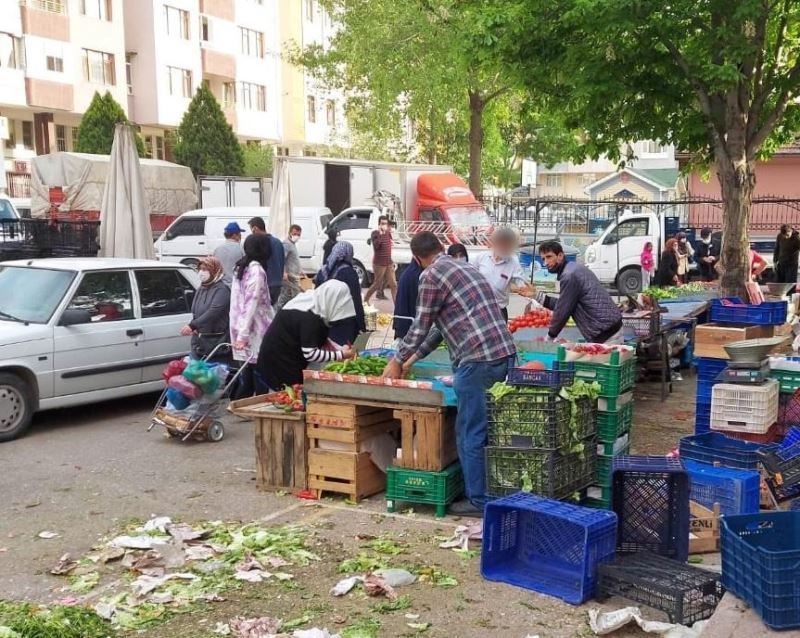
x=31 y=294
x=6 y=210
x=464 y=216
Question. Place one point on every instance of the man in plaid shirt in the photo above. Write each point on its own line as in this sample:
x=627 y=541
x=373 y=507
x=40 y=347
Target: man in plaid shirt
x=456 y=303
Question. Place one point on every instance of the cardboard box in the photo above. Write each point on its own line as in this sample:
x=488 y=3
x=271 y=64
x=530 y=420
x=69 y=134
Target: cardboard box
x=709 y=338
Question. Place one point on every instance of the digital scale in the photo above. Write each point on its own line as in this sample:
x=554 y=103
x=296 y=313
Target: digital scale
x=745 y=372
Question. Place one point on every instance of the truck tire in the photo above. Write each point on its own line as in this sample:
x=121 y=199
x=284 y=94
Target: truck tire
x=364 y=276
x=629 y=281
x=16 y=406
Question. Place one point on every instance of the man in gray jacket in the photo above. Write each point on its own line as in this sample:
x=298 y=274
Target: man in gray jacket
x=230 y=252
x=581 y=296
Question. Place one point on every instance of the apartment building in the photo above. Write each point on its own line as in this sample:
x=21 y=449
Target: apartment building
x=54 y=55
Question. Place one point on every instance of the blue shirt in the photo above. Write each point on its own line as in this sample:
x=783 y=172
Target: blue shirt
x=275 y=262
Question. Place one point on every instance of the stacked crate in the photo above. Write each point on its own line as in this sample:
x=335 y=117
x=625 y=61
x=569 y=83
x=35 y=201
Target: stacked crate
x=614 y=419
x=707 y=370
x=539 y=441
x=787 y=374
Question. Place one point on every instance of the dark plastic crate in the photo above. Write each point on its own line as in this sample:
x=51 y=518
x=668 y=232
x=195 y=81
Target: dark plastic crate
x=538 y=418
x=788 y=412
x=702 y=420
x=563 y=374
x=650 y=495
x=549 y=547
x=612 y=425
x=539 y=471
x=736 y=491
x=604 y=466
x=421 y=486
x=789 y=380
x=708 y=368
x=685 y=593
x=714 y=447
x=760 y=555
x=734 y=310
x=641 y=326
x=613 y=379
x=783 y=463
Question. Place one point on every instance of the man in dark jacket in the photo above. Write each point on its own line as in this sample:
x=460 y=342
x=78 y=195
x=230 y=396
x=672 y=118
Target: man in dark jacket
x=706 y=255
x=787 y=250
x=406 y=302
x=581 y=296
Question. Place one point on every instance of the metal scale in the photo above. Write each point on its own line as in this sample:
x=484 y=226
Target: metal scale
x=745 y=372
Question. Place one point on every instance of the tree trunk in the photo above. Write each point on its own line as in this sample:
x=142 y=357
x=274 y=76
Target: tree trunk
x=737 y=180
x=476 y=106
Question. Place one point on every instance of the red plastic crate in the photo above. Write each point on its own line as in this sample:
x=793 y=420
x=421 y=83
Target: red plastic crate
x=772 y=435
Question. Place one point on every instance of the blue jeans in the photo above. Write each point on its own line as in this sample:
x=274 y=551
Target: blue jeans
x=470 y=382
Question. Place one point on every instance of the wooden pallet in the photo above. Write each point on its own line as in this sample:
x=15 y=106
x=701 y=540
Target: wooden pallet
x=347 y=440
x=330 y=413
x=350 y=473
x=703 y=529
x=428 y=439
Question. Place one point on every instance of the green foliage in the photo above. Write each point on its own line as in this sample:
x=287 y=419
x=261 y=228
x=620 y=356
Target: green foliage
x=26 y=620
x=96 y=130
x=257 y=160
x=204 y=141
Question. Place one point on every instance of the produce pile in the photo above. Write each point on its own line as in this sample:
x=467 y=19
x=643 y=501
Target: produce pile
x=367 y=366
x=539 y=318
x=684 y=290
x=289 y=399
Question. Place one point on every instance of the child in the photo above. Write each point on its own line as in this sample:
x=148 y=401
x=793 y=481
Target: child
x=646 y=260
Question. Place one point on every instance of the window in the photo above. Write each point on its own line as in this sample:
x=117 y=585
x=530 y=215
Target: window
x=100 y=9
x=204 y=29
x=282 y=151
x=163 y=292
x=129 y=72
x=27 y=135
x=159 y=148
x=61 y=137
x=148 y=147
x=187 y=227
x=51 y=6
x=352 y=221
x=32 y=294
x=652 y=147
x=311 y=104
x=630 y=228
x=105 y=295
x=252 y=42
x=74 y=137
x=177 y=22
x=330 y=112
x=588 y=178
x=55 y=63
x=180 y=81
x=553 y=180
x=253 y=97
x=310 y=10
x=10 y=52
x=98 y=67
x=228 y=94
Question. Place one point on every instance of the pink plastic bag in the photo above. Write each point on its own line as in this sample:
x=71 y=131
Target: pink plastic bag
x=185 y=387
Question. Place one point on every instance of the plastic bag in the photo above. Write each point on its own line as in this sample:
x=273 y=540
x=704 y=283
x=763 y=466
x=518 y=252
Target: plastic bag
x=202 y=374
x=185 y=387
x=222 y=372
x=174 y=368
x=177 y=400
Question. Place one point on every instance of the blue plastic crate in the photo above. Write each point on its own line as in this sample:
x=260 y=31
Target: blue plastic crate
x=736 y=491
x=705 y=390
x=702 y=419
x=714 y=447
x=650 y=495
x=547 y=546
x=760 y=555
x=708 y=368
x=792 y=437
x=561 y=374
x=768 y=313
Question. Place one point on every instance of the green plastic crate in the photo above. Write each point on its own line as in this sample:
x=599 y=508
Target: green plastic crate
x=613 y=379
x=599 y=494
x=597 y=503
x=611 y=425
x=604 y=464
x=615 y=404
x=419 y=486
x=789 y=380
x=615 y=447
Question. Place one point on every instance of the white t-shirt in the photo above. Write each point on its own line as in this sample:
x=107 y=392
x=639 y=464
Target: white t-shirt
x=501 y=274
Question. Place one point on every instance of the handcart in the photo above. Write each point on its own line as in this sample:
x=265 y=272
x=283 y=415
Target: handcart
x=200 y=421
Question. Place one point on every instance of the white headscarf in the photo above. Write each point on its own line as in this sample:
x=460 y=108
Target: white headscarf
x=331 y=301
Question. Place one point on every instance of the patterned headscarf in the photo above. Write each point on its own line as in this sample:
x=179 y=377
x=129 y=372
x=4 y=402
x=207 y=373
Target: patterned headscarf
x=214 y=268
x=341 y=255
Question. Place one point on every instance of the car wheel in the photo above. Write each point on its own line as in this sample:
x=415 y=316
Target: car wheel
x=629 y=281
x=192 y=263
x=364 y=278
x=216 y=432
x=16 y=406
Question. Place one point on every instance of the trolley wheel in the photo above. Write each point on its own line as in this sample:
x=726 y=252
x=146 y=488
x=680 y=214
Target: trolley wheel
x=216 y=432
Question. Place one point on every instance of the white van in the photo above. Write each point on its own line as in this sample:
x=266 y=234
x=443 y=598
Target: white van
x=198 y=233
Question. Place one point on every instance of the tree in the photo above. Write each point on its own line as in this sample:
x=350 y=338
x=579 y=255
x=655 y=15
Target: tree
x=96 y=130
x=717 y=78
x=204 y=141
x=257 y=160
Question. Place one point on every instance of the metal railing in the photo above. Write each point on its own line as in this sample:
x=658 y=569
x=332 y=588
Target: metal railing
x=19 y=184
x=51 y=6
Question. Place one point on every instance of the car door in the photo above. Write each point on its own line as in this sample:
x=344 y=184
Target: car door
x=165 y=298
x=104 y=352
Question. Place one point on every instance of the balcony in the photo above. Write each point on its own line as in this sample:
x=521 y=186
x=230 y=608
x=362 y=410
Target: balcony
x=45 y=18
x=19 y=184
x=49 y=95
x=223 y=9
x=217 y=63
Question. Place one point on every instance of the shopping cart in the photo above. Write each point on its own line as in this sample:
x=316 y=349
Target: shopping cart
x=199 y=421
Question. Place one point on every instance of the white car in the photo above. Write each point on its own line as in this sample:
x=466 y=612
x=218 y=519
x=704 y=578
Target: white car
x=77 y=331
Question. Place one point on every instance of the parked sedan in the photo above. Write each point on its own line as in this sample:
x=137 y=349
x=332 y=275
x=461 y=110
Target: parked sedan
x=77 y=331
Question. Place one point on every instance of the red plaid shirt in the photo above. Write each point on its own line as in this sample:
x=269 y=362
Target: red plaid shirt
x=457 y=303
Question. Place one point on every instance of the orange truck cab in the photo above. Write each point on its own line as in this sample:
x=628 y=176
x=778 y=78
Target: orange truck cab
x=444 y=197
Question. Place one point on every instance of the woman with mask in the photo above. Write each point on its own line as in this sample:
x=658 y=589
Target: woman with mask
x=210 y=312
x=340 y=267
x=706 y=255
x=251 y=310
x=299 y=334
x=684 y=253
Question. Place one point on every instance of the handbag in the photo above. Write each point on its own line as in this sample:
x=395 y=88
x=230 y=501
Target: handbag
x=203 y=344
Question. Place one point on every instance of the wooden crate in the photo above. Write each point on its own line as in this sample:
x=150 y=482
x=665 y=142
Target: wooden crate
x=350 y=473
x=710 y=338
x=281 y=445
x=703 y=529
x=347 y=416
x=347 y=440
x=428 y=439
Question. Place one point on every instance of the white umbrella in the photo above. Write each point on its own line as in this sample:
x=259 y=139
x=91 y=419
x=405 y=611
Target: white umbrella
x=280 y=209
x=124 y=216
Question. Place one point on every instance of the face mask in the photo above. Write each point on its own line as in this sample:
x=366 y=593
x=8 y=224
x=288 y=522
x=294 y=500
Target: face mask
x=205 y=276
x=384 y=228
x=707 y=240
x=294 y=238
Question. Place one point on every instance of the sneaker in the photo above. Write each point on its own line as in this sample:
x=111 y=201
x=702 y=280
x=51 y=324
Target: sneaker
x=465 y=508
x=381 y=296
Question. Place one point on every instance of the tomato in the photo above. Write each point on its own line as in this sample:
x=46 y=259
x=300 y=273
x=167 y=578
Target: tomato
x=534 y=365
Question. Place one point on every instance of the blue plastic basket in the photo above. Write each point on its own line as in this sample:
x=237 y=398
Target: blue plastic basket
x=714 y=447
x=702 y=419
x=768 y=313
x=562 y=374
x=547 y=546
x=736 y=491
x=708 y=368
x=650 y=495
x=760 y=558
x=792 y=437
x=705 y=390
